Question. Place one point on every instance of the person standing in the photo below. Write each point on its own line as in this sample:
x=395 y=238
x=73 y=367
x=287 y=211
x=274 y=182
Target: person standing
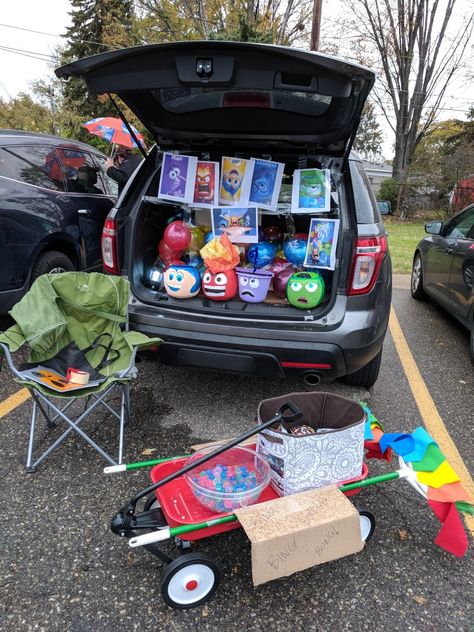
x=122 y=166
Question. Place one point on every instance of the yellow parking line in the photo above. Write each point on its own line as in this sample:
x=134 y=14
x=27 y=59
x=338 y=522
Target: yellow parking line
x=13 y=401
x=428 y=411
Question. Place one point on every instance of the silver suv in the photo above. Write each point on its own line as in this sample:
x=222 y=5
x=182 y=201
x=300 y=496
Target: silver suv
x=214 y=99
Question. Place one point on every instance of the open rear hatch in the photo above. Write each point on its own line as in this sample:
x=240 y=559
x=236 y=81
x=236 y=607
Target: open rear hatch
x=214 y=99
x=225 y=94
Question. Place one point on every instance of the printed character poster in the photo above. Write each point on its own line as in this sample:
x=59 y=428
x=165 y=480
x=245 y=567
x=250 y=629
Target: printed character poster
x=266 y=183
x=206 y=185
x=236 y=175
x=239 y=223
x=322 y=243
x=177 y=178
x=311 y=190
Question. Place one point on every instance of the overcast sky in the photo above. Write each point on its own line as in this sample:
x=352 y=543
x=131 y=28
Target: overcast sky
x=20 y=67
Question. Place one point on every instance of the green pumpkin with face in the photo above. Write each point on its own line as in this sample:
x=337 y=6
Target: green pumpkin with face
x=305 y=290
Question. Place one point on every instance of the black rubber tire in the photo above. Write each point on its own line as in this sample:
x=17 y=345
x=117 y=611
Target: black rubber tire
x=50 y=260
x=367 y=375
x=416 y=281
x=176 y=566
x=370 y=520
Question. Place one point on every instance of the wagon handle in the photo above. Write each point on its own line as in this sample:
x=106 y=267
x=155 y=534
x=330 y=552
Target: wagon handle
x=121 y=523
x=297 y=414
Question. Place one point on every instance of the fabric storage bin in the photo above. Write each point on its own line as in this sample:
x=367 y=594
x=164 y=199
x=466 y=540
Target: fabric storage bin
x=334 y=453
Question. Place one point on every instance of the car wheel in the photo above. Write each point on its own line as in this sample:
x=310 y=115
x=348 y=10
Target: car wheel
x=367 y=375
x=51 y=262
x=416 y=284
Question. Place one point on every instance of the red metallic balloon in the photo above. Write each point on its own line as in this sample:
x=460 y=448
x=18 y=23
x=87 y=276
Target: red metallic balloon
x=166 y=253
x=177 y=236
x=280 y=281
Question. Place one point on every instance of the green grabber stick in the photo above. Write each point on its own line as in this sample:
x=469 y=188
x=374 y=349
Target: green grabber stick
x=111 y=469
x=170 y=532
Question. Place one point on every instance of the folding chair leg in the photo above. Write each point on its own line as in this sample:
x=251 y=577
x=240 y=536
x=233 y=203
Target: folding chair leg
x=123 y=408
x=29 y=467
x=127 y=401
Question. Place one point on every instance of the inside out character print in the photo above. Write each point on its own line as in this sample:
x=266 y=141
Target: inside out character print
x=204 y=186
x=231 y=183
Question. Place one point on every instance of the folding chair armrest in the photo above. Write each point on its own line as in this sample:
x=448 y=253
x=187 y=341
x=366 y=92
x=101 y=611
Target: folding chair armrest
x=9 y=358
x=136 y=341
x=131 y=364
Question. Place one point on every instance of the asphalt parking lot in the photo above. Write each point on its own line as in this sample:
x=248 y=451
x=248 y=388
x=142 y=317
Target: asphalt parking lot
x=64 y=570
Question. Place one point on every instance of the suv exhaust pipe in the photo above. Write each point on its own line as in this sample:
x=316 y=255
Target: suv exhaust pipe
x=311 y=378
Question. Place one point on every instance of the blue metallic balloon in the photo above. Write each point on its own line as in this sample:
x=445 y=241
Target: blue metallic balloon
x=208 y=237
x=261 y=254
x=295 y=251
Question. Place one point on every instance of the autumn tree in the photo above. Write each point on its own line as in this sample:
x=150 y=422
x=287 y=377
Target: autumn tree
x=418 y=47
x=273 y=21
x=369 y=138
x=97 y=26
x=23 y=113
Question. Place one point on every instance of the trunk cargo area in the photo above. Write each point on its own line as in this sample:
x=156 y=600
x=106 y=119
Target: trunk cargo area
x=152 y=215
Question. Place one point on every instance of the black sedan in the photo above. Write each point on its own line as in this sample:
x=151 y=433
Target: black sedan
x=443 y=267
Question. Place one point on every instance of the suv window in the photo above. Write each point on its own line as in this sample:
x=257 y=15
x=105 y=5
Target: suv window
x=462 y=225
x=82 y=174
x=367 y=211
x=37 y=165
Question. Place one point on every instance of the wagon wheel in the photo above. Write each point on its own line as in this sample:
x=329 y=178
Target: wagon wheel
x=367 y=524
x=189 y=581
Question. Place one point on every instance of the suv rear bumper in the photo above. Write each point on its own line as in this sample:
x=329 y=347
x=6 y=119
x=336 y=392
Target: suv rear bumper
x=266 y=350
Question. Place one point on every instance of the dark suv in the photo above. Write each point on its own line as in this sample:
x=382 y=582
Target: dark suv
x=214 y=99
x=54 y=198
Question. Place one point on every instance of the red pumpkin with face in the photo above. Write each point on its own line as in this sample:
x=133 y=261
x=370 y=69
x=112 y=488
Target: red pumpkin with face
x=219 y=286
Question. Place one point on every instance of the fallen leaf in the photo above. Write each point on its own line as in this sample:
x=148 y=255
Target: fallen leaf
x=420 y=600
x=205 y=611
x=148 y=451
x=403 y=534
x=130 y=557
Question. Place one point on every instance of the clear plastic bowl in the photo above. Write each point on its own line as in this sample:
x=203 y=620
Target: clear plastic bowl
x=251 y=475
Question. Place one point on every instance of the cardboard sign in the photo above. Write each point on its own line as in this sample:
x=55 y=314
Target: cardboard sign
x=296 y=532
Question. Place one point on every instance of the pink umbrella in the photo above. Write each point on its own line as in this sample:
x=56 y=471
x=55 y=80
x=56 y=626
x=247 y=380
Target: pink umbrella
x=114 y=131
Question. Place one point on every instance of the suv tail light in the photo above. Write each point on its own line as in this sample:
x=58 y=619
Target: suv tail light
x=109 y=246
x=369 y=254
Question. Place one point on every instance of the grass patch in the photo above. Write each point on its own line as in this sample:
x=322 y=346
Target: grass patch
x=403 y=238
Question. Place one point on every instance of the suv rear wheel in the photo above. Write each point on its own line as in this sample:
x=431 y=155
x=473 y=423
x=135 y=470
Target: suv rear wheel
x=367 y=375
x=50 y=262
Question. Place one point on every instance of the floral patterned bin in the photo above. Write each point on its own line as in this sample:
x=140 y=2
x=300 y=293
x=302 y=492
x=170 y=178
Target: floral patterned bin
x=334 y=453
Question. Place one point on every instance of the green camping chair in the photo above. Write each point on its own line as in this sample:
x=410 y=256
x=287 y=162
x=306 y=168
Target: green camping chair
x=74 y=320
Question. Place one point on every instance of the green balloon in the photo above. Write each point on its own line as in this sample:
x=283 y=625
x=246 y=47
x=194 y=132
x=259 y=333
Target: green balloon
x=305 y=290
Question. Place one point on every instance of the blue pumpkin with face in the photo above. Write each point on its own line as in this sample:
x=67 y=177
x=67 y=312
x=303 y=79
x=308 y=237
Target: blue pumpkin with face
x=182 y=281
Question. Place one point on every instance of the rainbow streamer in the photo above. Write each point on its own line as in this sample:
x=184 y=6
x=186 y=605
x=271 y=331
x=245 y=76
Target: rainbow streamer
x=445 y=494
